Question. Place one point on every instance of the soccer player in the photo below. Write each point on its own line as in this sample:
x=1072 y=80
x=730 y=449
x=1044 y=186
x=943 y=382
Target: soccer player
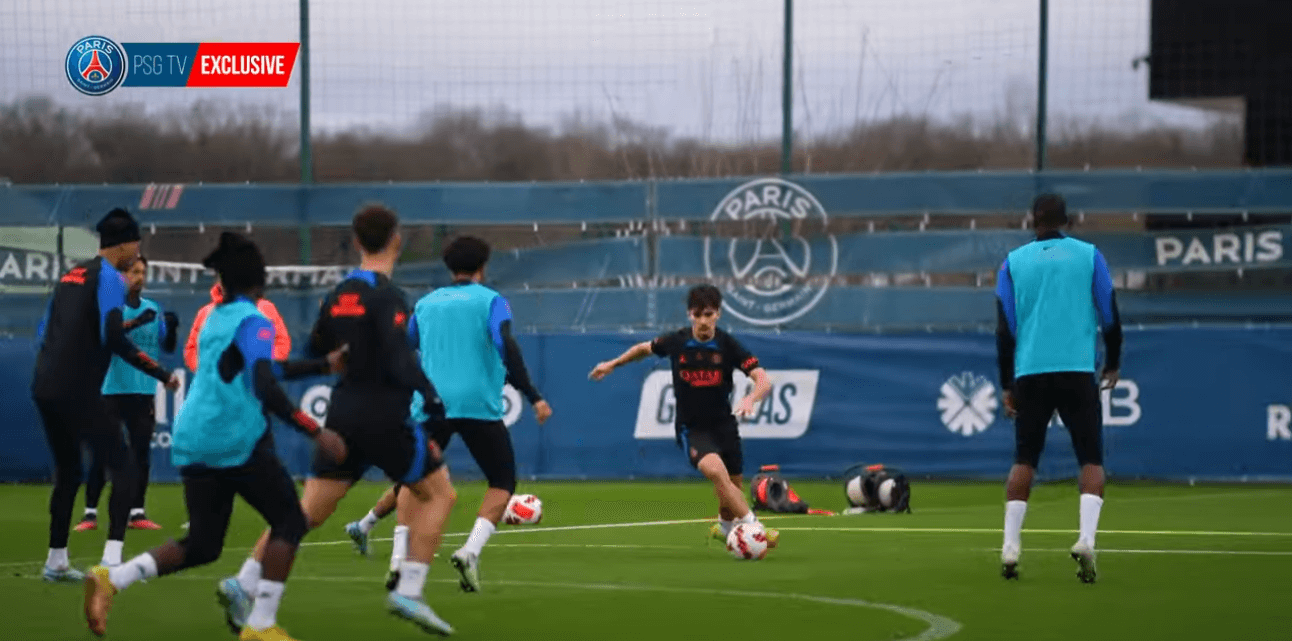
x=130 y=395
x=282 y=339
x=1054 y=294
x=81 y=331
x=223 y=447
x=369 y=409
x=703 y=359
x=463 y=332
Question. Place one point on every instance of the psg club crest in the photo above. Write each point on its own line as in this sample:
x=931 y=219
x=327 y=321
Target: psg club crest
x=95 y=65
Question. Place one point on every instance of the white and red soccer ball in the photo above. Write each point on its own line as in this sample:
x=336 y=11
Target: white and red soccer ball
x=747 y=542
x=523 y=509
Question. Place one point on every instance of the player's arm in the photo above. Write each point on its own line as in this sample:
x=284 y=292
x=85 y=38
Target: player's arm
x=142 y=319
x=111 y=297
x=392 y=336
x=1006 y=328
x=748 y=363
x=1109 y=319
x=659 y=346
x=252 y=355
x=322 y=337
x=169 y=331
x=500 y=331
x=282 y=338
x=190 y=346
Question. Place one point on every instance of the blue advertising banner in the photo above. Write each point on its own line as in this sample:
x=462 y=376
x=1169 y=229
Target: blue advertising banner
x=1191 y=403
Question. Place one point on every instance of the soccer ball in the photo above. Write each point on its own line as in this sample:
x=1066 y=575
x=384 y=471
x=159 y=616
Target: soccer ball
x=523 y=509
x=747 y=542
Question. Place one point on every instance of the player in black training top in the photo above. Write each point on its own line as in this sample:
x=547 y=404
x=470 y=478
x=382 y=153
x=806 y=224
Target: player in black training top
x=81 y=331
x=703 y=359
x=369 y=408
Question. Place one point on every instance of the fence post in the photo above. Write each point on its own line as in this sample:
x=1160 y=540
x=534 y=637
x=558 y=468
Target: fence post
x=787 y=92
x=1042 y=60
x=306 y=152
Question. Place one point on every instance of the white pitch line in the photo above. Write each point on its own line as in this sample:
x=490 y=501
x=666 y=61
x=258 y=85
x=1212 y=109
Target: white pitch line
x=947 y=530
x=1185 y=552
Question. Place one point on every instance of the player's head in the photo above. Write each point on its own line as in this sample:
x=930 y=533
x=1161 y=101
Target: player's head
x=118 y=238
x=376 y=230
x=704 y=307
x=1049 y=213
x=240 y=266
x=466 y=257
x=137 y=275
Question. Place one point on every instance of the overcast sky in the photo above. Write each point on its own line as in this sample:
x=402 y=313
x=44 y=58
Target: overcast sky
x=704 y=68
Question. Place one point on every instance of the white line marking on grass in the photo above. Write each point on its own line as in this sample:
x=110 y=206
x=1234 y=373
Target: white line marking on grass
x=940 y=627
x=948 y=530
x=1206 y=552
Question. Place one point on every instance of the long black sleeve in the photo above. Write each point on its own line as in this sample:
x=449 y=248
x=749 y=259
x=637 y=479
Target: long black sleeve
x=275 y=400
x=517 y=375
x=398 y=354
x=122 y=346
x=1005 y=345
x=171 y=340
x=292 y=370
x=1113 y=339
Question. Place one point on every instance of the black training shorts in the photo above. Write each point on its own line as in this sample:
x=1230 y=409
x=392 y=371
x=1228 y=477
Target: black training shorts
x=489 y=443
x=1075 y=396
x=379 y=434
x=700 y=439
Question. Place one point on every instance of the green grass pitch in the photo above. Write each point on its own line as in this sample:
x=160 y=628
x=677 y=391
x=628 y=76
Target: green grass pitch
x=1205 y=562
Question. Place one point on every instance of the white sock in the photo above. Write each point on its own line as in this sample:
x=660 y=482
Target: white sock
x=748 y=518
x=1014 y=513
x=400 y=547
x=112 y=552
x=57 y=559
x=412 y=578
x=1090 y=506
x=136 y=513
x=368 y=522
x=249 y=575
x=140 y=568
x=479 y=535
x=726 y=526
x=92 y=511
x=264 y=614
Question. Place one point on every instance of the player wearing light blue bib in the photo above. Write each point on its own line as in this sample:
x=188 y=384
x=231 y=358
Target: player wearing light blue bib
x=130 y=395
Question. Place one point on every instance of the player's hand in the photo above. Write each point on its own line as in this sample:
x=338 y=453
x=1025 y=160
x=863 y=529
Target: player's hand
x=745 y=408
x=1011 y=404
x=1110 y=378
x=337 y=358
x=171 y=320
x=602 y=370
x=172 y=383
x=542 y=412
x=331 y=443
x=148 y=316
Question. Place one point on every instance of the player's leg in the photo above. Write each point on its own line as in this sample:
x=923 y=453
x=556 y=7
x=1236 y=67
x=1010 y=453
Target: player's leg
x=440 y=433
x=704 y=451
x=1035 y=403
x=733 y=457
x=269 y=489
x=107 y=441
x=358 y=530
x=424 y=504
x=65 y=447
x=1082 y=413
x=208 y=495
x=139 y=413
x=96 y=478
x=490 y=446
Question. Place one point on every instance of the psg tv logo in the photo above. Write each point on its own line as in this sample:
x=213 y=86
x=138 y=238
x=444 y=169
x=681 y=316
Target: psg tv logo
x=95 y=65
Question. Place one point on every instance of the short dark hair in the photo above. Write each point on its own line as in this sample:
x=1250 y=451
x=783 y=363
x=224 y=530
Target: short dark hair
x=703 y=297
x=1049 y=210
x=466 y=255
x=238 y=263
x=374 y=225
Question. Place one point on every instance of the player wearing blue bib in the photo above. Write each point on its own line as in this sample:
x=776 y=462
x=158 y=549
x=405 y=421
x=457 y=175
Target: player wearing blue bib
x=131 y=394
x=223 y=448
x=1054 y=295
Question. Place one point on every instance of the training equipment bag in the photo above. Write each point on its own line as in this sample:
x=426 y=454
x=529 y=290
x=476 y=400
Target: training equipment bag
x=771 y=493
x=875 y=488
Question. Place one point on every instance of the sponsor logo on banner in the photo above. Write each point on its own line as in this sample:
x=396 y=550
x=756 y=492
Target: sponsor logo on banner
x=316 y=400
x=1225 y=248
x=967 y=403
x=785 y=413
x=1278 y=422
x=769 y=280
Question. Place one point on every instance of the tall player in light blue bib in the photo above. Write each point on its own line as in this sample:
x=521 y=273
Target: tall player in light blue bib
x=131 y=394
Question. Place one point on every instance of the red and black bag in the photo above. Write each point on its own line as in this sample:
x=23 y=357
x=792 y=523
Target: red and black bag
x=771 y=493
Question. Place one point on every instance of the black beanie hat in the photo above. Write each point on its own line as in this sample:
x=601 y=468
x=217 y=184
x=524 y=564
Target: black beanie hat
x=118 y=227
x=238 y=262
